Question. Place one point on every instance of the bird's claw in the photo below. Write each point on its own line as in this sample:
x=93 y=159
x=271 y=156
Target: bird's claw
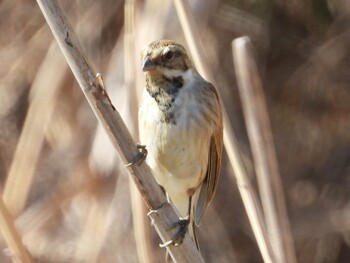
x=140 y=157
x=178 y=238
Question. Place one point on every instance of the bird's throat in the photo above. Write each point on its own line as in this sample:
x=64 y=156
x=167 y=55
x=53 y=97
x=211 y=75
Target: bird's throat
x=164 y=91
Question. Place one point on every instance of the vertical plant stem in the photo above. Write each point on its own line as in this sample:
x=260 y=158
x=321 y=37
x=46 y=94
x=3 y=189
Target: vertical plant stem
x=137 y=205
x=193 y=38
x=93 y=235
x=260 y=137
x=249 y=197
x=12 y=237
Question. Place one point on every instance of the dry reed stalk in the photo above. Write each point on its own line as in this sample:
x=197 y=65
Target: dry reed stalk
x=141 y=226
x=249 y=197
x=260 y=137
x=193 y=39
x=11 y=236
x=39 y=213
x=165 y=217
x=40 y=218
x=143 y=244
x=95 y=230
x=44 y=92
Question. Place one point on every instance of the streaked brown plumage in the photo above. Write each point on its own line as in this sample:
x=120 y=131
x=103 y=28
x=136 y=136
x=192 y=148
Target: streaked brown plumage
x=180 y=122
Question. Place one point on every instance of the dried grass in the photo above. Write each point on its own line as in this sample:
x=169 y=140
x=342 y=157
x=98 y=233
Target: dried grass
x=67 y=191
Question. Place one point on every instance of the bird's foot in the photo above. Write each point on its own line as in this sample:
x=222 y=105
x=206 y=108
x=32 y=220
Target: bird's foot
x=178 y=238
x=140 y=157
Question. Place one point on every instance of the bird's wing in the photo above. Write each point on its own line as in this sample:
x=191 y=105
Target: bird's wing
x=208 y=188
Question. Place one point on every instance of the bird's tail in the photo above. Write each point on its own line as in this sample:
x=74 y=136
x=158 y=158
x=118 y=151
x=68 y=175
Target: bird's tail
x=192 y=230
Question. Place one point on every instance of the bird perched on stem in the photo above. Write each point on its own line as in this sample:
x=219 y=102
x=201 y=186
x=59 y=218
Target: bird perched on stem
x=180 y=122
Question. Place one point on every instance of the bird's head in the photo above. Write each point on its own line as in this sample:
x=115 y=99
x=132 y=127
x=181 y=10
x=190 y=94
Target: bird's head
x=165 y=57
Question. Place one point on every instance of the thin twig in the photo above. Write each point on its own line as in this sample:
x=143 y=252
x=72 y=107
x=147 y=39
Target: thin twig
x=165 y=217
x=249 y=196
x=260 y=136
x=12 y=237
x=143 y=244
x=94 y=233
x=193 y=38
x=247 y=192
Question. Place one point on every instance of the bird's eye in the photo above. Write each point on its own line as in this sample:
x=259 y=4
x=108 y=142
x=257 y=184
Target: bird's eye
x=169 y=55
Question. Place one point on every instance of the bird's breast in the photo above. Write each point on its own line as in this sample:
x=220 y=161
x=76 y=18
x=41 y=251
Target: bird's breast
x=179 y=148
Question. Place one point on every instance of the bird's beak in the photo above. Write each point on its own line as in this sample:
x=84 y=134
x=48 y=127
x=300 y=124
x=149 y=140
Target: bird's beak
x=148 y=64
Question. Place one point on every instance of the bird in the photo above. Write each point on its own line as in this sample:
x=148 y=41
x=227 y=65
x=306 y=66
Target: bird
x=181 y=125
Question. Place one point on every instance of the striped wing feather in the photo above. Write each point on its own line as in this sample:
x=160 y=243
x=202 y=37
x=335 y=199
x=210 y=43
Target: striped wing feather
x=210 y=182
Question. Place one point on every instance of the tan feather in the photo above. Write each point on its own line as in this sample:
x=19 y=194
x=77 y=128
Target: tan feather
x=211 y=179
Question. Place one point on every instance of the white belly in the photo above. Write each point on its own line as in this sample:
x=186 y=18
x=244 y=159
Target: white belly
x=177 y=153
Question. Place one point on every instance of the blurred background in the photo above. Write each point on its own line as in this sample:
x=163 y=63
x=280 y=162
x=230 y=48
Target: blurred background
x=64 y=184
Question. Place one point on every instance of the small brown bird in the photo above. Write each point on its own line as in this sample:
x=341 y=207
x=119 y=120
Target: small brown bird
x=180 y=122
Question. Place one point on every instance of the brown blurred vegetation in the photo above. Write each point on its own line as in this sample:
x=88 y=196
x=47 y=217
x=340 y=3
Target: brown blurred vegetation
x=78 y=208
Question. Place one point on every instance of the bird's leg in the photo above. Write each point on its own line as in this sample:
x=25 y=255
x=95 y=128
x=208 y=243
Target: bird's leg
x=182 y=224
x=138 y=159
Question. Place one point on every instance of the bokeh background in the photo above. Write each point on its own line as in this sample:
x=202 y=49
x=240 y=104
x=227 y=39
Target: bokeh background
x=72 y=200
